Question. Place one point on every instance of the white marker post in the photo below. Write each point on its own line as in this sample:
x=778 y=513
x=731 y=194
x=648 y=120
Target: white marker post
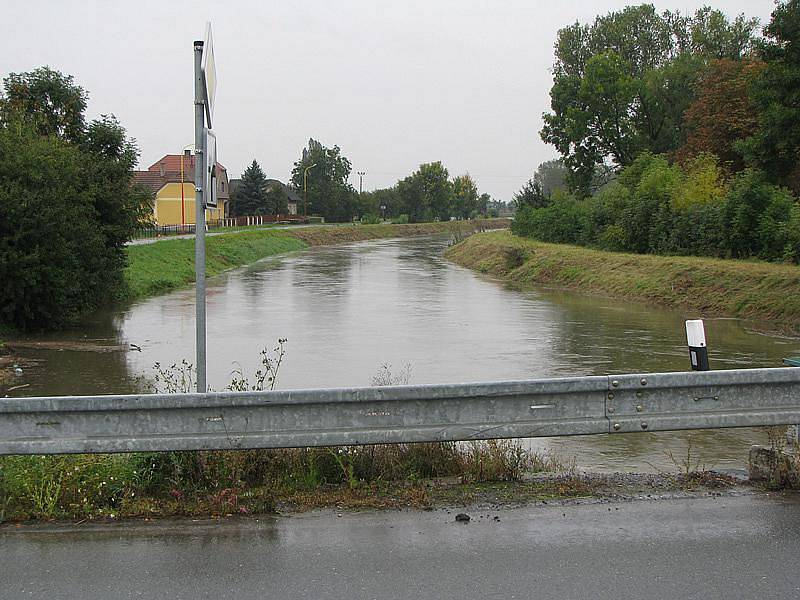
x=696 y=339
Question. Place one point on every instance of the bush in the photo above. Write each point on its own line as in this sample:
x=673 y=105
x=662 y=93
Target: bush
x=754 y=212
x=400 y=219
x=370 y=219
x=791 y=251
x=565 y=221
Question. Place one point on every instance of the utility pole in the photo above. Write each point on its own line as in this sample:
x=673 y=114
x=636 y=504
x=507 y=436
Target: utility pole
x=360 y=181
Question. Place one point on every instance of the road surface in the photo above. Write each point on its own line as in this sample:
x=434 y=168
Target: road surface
x=722 y=547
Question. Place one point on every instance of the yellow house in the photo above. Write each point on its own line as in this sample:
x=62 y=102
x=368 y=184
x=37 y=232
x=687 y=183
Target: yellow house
x=171 y=179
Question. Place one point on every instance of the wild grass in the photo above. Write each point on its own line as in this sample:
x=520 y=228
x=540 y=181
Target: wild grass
x=738 y=288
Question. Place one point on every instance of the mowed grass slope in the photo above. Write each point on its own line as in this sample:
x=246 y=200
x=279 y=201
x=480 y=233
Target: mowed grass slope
x=747 y=289
x=169 y=264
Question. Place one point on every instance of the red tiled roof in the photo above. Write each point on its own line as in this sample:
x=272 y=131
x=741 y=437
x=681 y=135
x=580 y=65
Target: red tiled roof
x=172 y=162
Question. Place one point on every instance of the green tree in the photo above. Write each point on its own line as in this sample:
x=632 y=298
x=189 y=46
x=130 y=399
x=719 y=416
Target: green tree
x=427 y=193
x=551 y=175
x=68 y=201
x=530 y=195
x=48 y=101
x=621 y=86
x=484 y=200
x=465 y=197
x=775 y=147
x=250 y=196
x=277 y=198
x=329 y=193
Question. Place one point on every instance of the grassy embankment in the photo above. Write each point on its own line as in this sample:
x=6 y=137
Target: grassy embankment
x=169 y=264
x=747 y=289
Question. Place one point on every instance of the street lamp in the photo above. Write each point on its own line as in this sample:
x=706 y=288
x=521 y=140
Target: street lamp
x=360 y=180
x=183 y=202
x=383 y=212
x=305 y=189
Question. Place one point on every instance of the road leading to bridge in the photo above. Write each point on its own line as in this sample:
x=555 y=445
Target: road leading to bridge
x=723 y=547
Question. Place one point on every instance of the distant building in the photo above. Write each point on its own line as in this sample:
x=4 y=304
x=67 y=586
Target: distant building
x=293 y=199
x=171 y=179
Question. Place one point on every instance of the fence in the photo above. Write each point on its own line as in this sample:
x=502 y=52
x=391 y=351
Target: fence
x=400 y=414
x=255 y=220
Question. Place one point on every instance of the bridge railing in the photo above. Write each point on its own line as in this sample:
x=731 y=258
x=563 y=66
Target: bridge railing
x=401 y=414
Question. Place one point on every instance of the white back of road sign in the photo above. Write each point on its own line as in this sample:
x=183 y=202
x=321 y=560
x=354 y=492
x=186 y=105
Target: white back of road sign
x=209 y=71
x=210 y=168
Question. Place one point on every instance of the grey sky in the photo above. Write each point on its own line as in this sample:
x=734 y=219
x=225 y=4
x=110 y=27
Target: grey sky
x=393 y=84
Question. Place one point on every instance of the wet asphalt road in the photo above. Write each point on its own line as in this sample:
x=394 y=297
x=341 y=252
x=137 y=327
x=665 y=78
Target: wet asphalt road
x=727 y=547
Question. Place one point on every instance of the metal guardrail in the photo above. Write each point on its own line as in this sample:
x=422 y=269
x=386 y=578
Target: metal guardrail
x=400 y=414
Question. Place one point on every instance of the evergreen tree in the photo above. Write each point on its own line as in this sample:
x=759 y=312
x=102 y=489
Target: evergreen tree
x=250 y=197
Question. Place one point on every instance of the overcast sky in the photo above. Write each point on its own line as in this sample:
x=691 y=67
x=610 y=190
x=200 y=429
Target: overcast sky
x=393 y=84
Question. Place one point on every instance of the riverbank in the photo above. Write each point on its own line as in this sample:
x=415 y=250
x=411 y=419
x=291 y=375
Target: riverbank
x=168 y=265
x=700 y=286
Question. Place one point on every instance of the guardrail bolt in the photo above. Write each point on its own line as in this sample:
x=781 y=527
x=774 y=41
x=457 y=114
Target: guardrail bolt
x=615 y=383
x=610 y=395
x=617 y=426
x=639 y=408
x=610 y=410
x=643 y=381
x=644 y=425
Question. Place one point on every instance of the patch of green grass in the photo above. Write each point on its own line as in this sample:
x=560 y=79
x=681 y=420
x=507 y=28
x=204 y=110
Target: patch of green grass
x=169 y=264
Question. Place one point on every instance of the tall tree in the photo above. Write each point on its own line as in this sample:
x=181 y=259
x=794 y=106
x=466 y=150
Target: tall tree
x=427 y=193
x=531 y=195
x=47 y=100
x=621 y=86
x=722 y=114
x=775 y=147
x=329 y=193
x=68 y=202
x=551 y=175
x=250 y=196
x=465 y=197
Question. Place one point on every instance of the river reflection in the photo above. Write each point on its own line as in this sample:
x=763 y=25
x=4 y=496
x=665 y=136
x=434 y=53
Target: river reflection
x=346 y=310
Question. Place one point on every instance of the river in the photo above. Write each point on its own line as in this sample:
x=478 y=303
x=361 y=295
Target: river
x=348 y=310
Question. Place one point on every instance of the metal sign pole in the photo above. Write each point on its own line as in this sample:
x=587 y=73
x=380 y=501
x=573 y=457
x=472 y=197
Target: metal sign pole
x=199 y=220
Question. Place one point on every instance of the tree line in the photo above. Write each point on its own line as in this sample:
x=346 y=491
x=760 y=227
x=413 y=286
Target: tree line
x=677 y=134
x=320 y=179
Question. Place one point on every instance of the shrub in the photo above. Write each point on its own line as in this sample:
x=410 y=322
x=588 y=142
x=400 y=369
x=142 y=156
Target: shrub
x=747 y=222
x=370 y=219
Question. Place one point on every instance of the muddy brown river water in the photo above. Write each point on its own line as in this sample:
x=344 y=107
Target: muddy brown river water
x=347 y=310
